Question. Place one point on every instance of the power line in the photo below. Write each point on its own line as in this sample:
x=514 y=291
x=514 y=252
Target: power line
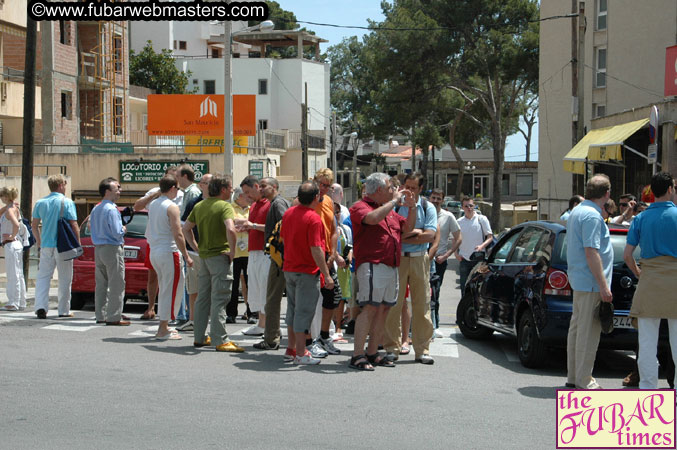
x=647 y=90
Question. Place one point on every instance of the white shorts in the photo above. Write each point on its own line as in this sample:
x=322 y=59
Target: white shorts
x=257 y=286
x=191 y=273
x=379 y=284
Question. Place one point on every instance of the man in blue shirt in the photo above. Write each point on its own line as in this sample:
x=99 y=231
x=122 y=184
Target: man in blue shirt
x=653 y=231
x=414 y=270
x=108 y=239
x=48 y=210
x=590 y=259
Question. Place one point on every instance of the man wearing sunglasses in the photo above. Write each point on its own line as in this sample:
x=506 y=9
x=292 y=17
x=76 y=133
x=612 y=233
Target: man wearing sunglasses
x=626 y=206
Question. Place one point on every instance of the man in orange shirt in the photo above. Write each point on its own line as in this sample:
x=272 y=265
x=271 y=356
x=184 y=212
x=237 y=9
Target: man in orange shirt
x=330 y=297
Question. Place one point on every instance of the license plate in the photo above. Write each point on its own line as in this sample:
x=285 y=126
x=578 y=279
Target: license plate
x=622 y=322
x=131 y=254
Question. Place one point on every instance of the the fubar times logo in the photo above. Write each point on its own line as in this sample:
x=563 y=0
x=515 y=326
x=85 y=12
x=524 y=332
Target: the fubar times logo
x=615 y=418
x=208 y=107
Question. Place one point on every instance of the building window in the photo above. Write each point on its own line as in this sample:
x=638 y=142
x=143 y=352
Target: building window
x=117 y=48
x=216 y=53
x=601 y=14
x=64 y=32
x=119 y=116
x=183 y=45
x=175 y=46
x=524 y=184
x=505 y=184
x=196 y=81
x=263 y=87
x=263 y=124
x=67 y=105
x=600 y=75
x=599 y=110
x=210 y=87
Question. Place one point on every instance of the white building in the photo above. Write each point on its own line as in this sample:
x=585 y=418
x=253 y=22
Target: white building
x=280 y=85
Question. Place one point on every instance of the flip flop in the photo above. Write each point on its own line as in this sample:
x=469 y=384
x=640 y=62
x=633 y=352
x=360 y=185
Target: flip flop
x=405 y=350
x=146 y=316
x=9 y=308
x=171 y=336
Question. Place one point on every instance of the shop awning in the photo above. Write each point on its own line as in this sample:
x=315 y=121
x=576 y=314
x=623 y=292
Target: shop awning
x=604 y=144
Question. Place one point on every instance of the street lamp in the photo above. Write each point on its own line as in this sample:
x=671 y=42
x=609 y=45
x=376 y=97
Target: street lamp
x=266 y=25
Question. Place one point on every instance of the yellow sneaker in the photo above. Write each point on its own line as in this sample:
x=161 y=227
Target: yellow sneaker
x=207 y=342
x=229 y=347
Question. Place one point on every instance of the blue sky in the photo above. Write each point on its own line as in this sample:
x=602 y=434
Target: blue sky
x=356 y=13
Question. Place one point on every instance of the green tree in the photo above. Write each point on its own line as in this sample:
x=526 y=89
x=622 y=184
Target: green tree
x=485 y=51
x=157 y=71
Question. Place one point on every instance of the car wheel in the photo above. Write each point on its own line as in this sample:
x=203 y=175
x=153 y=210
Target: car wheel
x=466 y=318
x=78 y=300
x=530 y=349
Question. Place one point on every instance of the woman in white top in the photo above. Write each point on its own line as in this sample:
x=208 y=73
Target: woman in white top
x=13 y=244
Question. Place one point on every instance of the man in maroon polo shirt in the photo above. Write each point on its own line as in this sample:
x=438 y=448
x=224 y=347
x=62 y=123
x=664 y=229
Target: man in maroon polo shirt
x=377 y=236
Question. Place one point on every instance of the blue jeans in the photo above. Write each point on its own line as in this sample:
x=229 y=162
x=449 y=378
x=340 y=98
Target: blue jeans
x=436 y=280
x=464 y=270
x=184 y=309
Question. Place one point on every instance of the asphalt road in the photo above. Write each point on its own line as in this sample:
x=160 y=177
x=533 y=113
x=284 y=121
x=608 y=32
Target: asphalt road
x=68 y=383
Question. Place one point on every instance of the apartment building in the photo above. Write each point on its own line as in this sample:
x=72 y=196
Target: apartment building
x=624 y=64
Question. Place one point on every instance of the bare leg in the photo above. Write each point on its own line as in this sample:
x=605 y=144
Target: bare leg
x=362 y=326
x=406 y=321
x=291 y=338
x=327 y=314
x=377 y=328
x=152 y=288
x=338 y=316
x=300 y=342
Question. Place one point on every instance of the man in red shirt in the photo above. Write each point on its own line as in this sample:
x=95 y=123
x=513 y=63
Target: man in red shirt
x=377 y=236
x=259 y=263
x=304 y=260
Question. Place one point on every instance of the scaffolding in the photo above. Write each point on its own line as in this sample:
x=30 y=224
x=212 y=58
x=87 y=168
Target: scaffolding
x=106 y=79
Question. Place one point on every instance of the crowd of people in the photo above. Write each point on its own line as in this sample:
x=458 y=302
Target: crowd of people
x=373 y=270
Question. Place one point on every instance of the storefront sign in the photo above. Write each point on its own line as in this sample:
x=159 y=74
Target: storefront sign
x=153 y=171
x=256 y=169
x=95 y=146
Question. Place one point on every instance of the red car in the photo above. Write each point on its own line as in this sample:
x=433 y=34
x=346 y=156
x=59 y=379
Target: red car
x=136 y=273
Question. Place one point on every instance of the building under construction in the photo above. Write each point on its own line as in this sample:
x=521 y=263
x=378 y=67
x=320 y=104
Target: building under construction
x=84 y=68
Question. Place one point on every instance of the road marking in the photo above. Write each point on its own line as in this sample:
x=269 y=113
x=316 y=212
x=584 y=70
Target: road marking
x=69 y=327
x=510 y=351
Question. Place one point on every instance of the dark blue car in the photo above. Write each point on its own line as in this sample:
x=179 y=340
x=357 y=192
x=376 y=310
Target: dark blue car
x=522 y=290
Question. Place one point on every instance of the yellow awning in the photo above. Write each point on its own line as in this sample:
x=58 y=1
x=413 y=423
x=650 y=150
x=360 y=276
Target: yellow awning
x=604 y=144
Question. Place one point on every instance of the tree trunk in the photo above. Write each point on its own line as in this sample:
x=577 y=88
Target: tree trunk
x=457 y=155
x=424 y=161
x=498 y=142
x=530 y=126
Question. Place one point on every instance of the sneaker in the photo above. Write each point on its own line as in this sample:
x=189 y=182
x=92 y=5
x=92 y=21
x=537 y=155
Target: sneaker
x=392 y=356
x=177 y=322
x=41 y=314
x=306 y=359
x=188 y=326
x=251 y=320
x=425 y=359
x=230 y=319
x=263 y=345
x=316 y=351
x=328 y=346
x=253 y=331
x=230 y=347
x=437 y=334
x=206 y=343
x=289 y=355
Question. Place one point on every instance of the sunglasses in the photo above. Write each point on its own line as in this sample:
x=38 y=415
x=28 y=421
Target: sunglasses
x=623 y=204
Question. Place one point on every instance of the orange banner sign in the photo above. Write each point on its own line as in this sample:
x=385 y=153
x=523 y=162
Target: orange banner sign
x=199 y=115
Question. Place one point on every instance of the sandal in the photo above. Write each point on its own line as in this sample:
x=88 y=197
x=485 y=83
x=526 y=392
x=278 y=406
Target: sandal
x=378 y=359
x=360 y=362
x=405 y=349
x=147 y=316
x=9 y=308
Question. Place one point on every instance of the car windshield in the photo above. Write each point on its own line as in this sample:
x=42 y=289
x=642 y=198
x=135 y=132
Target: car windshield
x=135 y=228
x=617 y=242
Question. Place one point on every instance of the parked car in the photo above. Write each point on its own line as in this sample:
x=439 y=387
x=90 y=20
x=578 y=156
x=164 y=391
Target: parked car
x=453 y=207
x=522 y=290
x=136 y=273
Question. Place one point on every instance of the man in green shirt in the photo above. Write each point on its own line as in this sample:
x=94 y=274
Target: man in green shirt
x=213 y=217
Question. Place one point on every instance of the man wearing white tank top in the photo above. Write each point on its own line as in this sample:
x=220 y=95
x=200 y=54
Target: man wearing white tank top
x=167 y=244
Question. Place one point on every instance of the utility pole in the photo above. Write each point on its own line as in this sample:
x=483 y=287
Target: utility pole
x=356 y=194
x=574 y=75
x=227 y=99
x=580 y=131
x=333 y=143
x=28 y=130
x=304 y=138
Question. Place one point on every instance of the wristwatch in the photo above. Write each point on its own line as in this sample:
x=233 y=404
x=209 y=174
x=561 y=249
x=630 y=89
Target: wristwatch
x=394 y=202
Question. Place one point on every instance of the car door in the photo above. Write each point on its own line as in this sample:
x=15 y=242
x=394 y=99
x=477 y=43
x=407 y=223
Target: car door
x=492 y=280
x=524 y=272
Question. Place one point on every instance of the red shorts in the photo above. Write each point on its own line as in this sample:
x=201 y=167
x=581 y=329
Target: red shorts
x=147 y=261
